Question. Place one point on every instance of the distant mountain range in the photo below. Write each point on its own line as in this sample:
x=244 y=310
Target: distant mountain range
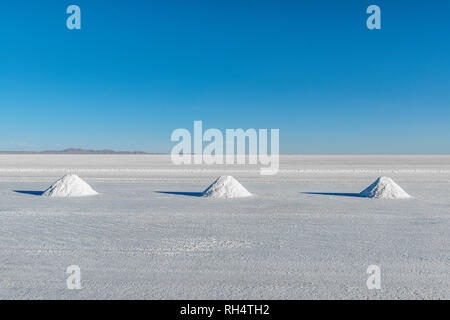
x=74 y=151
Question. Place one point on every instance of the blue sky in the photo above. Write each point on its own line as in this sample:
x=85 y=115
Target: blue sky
x=140 y=69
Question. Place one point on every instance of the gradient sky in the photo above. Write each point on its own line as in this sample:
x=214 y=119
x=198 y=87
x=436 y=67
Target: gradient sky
x=140 y=69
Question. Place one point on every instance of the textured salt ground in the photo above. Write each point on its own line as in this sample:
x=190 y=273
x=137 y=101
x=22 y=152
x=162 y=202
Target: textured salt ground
x=133 y=242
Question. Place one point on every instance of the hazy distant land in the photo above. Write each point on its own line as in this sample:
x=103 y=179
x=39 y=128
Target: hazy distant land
x=74 y=151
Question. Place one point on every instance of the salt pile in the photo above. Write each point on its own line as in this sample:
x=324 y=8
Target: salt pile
x=226 y=187
x=385 y=188
x=69 y=186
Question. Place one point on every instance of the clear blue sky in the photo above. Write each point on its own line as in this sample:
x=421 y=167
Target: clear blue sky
x=140 y=69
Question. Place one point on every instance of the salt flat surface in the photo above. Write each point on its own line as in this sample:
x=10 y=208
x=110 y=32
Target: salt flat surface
x=148 y=235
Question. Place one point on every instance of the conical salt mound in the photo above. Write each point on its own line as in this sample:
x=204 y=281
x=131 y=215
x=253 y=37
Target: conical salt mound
x=385 y=188
x=70 y=185
x=226 y=187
